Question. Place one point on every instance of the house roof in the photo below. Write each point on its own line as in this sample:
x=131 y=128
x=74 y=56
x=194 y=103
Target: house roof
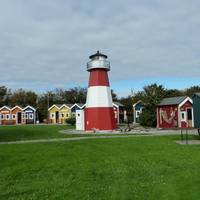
x=140 y=101
x=30 y=107
x=172 y=101
x=6 y=107
x=118 y=104
x=80 y=105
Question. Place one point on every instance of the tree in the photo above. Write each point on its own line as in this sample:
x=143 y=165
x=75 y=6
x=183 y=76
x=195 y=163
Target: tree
x=23 y=98
x=3 y=95
x=152 y=95
x=190 y=91
x=114 y=95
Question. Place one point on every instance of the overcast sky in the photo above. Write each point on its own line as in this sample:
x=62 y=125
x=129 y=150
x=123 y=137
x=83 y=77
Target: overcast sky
x=45 y=44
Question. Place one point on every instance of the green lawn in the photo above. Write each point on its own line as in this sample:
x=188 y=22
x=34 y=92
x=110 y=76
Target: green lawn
x=27 y=132
x=118 y=168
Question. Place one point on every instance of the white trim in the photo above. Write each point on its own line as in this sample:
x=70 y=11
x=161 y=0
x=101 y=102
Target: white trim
x=29 y=107
x=75 y=105
x=115 y=105
x=7 y=116
x=16 y=107
x=5 y=107
x=64 y=105
x=185 y=117
x=54 y=105
x=140 y=101
x=192 y=117
x=184 y=101
x=99 y=96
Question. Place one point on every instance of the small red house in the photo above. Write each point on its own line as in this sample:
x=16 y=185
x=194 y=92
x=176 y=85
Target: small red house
x=175 y=112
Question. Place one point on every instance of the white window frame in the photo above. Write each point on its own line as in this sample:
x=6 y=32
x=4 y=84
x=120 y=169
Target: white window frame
x=2 y=116
x=30 y=115
x=137 y=114
x=183 y=119
x=7 y=116
x=13 y=116
x=62 y=115
x=67 y=115
x=52 y=116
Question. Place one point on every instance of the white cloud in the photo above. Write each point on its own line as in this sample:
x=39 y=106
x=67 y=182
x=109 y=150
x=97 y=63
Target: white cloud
x=47 y=43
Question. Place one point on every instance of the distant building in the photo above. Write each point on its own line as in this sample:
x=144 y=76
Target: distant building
x=137 y=110
x=120 y=112
x=196 y=108
x=58 y=113
x=75 y=107
x=17 y=115
x=175 y=112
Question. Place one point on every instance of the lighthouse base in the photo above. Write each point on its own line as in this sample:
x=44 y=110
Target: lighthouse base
x=99 y=119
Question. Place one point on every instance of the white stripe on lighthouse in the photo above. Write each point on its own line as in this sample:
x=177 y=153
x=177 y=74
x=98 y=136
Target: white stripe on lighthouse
x=99 y=96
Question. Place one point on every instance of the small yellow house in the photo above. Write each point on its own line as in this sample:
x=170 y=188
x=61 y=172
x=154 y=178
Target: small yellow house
x=65 y=112
x=59 y=113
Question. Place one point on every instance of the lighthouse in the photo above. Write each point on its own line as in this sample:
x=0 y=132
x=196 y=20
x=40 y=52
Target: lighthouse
x=99 y=113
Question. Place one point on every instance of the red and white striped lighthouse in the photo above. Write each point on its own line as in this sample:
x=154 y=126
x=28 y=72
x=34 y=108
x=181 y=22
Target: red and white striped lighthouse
x=99 y=113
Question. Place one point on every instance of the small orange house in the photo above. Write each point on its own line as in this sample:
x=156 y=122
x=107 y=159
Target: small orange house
x=16 y=115
x=5 y=116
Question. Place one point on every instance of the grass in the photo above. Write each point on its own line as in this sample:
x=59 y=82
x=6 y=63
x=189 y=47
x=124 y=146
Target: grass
x=27 y=132
x=115 y=169
x=31 y=132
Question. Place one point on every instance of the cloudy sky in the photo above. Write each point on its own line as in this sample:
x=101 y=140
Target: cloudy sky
x=45 y=44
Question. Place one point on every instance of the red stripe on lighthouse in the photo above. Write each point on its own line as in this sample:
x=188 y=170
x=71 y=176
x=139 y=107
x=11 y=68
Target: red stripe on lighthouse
x=99 y=118
x=98 y=77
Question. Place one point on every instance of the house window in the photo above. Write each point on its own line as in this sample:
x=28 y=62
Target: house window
x=183 y=116
x=13 y=116
x=30 y=116
x=2 y=116
x=52 y=115
x=137 y=113
x=26 y=116
x=7 y=116
x=74 y=114
x=62 y=115
x=67 y=115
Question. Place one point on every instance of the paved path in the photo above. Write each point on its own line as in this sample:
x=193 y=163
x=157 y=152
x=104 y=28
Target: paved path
x=86 y=138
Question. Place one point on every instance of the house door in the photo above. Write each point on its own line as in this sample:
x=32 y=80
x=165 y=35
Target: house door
x=19 y=117
x=57 y=117
x=189 y=117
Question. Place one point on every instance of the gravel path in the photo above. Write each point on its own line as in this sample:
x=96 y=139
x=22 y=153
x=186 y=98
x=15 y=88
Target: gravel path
x=92 y=137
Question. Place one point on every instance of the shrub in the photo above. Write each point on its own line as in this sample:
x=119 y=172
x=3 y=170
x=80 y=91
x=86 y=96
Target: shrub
x=71 y=120
x=148 y=117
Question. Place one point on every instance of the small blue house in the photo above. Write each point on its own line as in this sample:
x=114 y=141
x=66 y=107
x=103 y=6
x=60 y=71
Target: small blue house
x=75 y=107
x=29 y=115
x=137 y=110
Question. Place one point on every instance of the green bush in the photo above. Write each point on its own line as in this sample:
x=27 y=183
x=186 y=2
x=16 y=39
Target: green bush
x=148 y=117
x=71 y=120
